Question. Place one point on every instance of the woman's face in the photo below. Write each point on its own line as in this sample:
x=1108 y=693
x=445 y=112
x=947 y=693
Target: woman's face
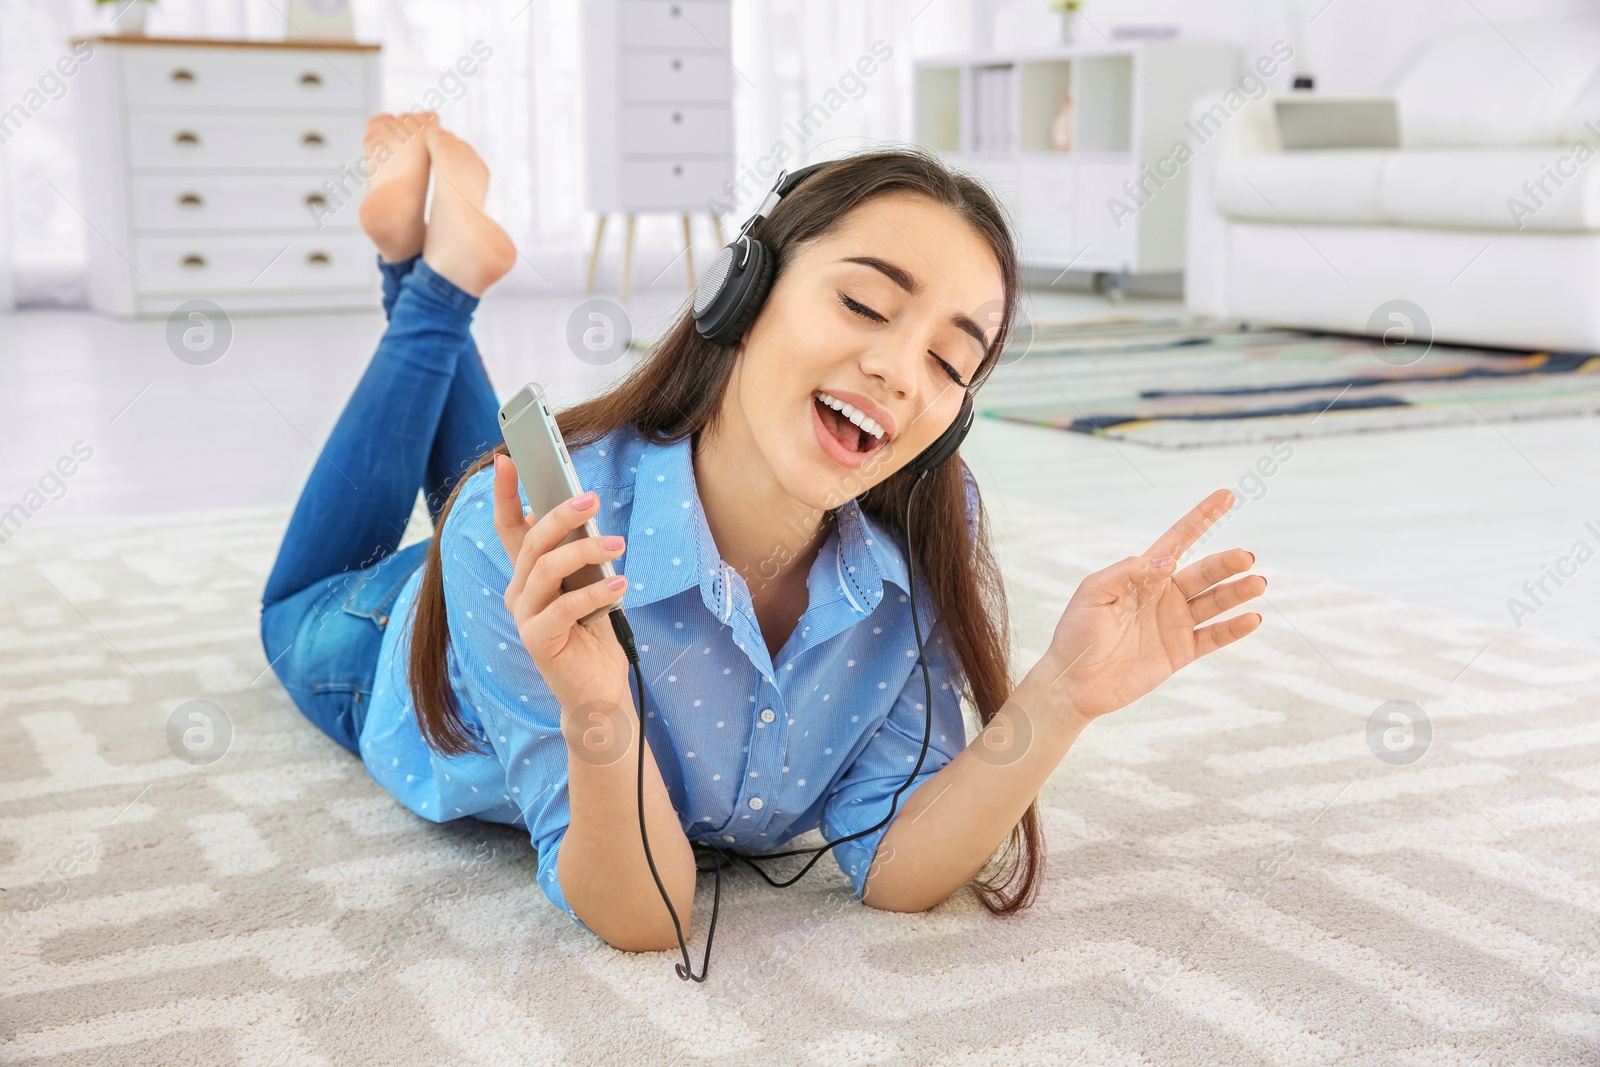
x=889 y=313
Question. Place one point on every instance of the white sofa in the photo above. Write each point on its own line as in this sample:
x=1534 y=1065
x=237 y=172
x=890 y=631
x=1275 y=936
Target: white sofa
x=1487 y=217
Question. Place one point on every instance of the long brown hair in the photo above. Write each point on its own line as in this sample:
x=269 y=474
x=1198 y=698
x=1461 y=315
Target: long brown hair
x=676 y=390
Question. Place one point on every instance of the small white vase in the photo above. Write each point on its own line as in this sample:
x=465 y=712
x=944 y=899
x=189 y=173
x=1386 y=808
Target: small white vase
x=129 y=19
x=1064 y=130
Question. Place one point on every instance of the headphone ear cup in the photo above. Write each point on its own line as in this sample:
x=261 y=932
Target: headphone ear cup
x=946 y=444
x=716 y=278
x=764 y=269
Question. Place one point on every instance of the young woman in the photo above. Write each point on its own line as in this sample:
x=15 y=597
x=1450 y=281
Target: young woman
x=753 y=499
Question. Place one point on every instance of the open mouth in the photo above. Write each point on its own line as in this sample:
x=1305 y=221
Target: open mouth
x=856 y=433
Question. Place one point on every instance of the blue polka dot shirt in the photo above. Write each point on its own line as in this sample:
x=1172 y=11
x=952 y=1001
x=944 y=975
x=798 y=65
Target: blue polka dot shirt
x=753 y=750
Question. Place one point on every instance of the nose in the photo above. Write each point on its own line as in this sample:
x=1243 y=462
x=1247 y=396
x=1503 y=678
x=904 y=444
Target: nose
x=893 y=360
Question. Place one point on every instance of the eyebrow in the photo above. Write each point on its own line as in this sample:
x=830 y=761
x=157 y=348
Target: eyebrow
x=905 y=280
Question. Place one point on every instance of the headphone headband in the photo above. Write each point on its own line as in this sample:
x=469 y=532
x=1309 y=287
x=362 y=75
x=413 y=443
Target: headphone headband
x=781 y=187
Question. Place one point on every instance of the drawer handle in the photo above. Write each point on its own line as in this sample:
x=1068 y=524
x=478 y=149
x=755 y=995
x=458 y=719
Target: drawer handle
x=677 y=116
x=313 y=139
x=311 y=80
x=316 y=200
x=183 y=76
x=191 y=200
x=187 y=138
x=677 y=168
x=318 y=259
x=677 y=64
x=193 y=261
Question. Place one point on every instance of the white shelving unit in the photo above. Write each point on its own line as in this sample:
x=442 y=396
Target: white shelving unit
x=210 y=164
x=991 y=114
x=657 y=114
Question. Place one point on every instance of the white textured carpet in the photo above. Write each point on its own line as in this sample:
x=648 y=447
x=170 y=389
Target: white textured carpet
x=1234 y=876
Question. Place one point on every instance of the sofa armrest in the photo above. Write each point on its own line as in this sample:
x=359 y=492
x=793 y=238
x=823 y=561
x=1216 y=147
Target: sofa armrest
x=1229 y=128
x=1218 y=133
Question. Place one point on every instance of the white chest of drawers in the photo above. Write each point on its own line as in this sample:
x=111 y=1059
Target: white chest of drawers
x=657 y=111
x=226 y=170
x=658 y=104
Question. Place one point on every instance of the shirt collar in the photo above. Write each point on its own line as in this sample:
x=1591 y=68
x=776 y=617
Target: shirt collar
x=669 y=544
x=670 y=547
x=867 y=555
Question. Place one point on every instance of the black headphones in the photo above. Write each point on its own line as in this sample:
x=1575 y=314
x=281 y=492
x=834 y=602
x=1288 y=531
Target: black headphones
x=731 y=291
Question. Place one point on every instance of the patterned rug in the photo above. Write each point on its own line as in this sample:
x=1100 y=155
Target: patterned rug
x=1174 y=383
x=1243 y=867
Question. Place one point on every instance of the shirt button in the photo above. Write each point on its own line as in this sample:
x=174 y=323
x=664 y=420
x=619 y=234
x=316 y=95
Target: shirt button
x=767 y=715
x=755 y=802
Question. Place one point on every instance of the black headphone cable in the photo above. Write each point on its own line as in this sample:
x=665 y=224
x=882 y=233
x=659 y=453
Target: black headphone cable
x=624 y=632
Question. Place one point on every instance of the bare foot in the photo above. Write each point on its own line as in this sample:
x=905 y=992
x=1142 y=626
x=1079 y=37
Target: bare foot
x=462 y=243
x=391 y=212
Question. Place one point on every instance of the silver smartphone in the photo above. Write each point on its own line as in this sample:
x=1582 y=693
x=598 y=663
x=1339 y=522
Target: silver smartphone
x=548 y=476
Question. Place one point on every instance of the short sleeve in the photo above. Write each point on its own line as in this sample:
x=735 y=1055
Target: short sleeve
x=863 y=794
x=519 y=716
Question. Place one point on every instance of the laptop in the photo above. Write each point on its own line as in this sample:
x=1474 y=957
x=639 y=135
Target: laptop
x=1324 y=122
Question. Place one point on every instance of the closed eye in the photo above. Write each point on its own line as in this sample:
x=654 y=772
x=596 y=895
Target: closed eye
x=861 y=309
x=872 y=316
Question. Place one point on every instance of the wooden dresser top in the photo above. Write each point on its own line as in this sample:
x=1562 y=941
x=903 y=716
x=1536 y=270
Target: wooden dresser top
x=233 y=42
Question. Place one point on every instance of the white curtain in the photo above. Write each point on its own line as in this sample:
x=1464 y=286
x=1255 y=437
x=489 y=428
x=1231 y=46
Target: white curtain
x=802 y=97
x=801 y=93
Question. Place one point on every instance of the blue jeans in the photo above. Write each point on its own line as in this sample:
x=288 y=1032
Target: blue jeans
x=421 y=414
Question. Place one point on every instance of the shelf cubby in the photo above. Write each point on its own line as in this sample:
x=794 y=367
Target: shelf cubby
x=1105 y=103
x=993 y=113
x=939 y=108
x=1042 y=84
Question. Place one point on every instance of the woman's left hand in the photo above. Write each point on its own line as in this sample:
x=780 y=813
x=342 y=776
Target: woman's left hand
x=1131 y=626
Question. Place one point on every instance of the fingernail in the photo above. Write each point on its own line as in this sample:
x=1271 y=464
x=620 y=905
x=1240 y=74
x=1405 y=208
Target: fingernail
x=618 y=582
x=611 y=542
x=583 y=501
x=1162 y=562
x=1252 y=558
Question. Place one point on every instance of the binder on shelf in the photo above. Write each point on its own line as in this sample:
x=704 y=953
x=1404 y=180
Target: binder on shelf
x=994 y=126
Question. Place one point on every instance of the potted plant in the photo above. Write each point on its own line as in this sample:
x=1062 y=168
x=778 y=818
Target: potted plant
x=1068 y=10
x=129 y=17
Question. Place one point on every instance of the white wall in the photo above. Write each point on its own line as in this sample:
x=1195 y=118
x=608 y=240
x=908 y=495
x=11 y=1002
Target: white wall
x=1349 y=45
x=521 y=111
x=791 y=52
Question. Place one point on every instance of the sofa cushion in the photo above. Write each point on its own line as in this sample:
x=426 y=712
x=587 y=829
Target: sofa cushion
x=1552 y=189
x=1324 y=187
x=1508 y=83
x=1492 y=190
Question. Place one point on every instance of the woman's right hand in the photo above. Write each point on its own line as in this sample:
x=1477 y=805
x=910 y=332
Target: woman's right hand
x=580 y=663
